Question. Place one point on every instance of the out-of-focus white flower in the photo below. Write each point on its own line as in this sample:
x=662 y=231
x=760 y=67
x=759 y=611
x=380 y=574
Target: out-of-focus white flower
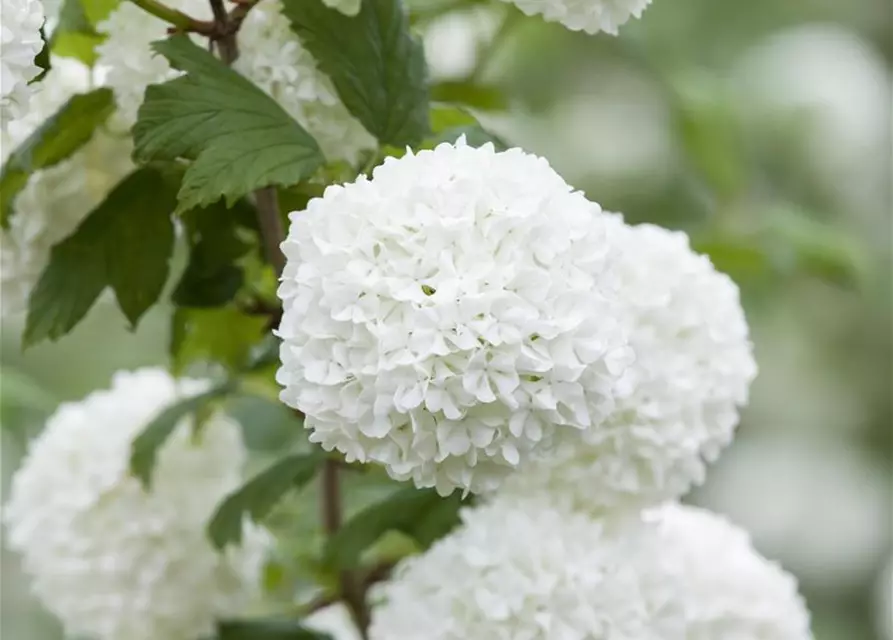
x=55 y=200
x=334 y=620
x=111 y=560
x=524 y=568
x=830 y=508
x=727 y=590
x=270 y=55
x=447 y=316
x=677 y=406
x=452 y=41
x=591 y=16
x=20 y=42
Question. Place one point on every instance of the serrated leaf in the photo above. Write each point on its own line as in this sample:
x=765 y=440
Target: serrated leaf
x=240 y=138
x=66 y=131
x=267 y=630
x=421 y=514
x=377 y=66
x=223 y=335
x=124 y=243
x=212 y=278
x=144 y=449
x=258 y=496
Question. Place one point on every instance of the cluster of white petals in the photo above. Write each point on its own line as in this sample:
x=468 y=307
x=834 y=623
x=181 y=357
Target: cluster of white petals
x=677 y=406
x=111 y=560
x=726 y=589
x=55 y=200
x=525 y=568
x=446 y=317
x=591 y=16
x=20 y=42
x=270 y=55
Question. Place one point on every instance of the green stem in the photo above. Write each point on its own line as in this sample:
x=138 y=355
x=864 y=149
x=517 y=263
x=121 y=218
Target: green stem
x=178 y=19
x=486 y=55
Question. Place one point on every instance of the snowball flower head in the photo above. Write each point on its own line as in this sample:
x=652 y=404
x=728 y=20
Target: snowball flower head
x=20 y=42
x=591 y=16
x=527 y=569
x=111 y=560
x=55 y=200
x=447 y=316
x=678 y=404
x=727 y=590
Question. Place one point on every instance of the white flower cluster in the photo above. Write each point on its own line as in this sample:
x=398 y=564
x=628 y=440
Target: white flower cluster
x=110 y=559
x=271 y=56
x=55 y=200
x=525 y=568
x=446 y=317
x=591 y=16
x=677 y=406
x=20 y=42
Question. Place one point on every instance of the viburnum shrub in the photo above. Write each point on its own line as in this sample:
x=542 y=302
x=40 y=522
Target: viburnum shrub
x=516 y=386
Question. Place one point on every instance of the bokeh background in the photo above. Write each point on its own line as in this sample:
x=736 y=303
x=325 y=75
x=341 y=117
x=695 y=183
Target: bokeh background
x=763 y=129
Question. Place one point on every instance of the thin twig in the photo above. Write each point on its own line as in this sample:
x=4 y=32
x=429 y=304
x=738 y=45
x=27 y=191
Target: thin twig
x=179 y=20
x=271 y=228
x=226 y=36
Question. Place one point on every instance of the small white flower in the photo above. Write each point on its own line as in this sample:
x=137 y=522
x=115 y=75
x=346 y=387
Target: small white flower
x=678 y=404
x=54 y=201
x=727 y=590
x=111 y=560
x=447 y=316
x=591 y=16
x=20 y=42
x=524 y=568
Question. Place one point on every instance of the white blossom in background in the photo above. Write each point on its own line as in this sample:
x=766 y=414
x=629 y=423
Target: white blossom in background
x=111 y=560
x=270 y=55
x=334 y=620
x=445 y=317
x=677 y=406
x=20 y=42
x=524 y=568
x=57 y=199
x=591 y=16
x=453 y=41
x=727 y=590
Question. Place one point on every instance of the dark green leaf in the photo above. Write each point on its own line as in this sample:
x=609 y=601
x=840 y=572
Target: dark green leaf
x=266 y=630
x=212 y=276
x=470 y=94
x=259 y=495
x=377 y=66
x=240 y=137
x=70 y=128
x=223 y=334
x=42 y=59
x=124 y=243
x=145 y=448
x=421 y=514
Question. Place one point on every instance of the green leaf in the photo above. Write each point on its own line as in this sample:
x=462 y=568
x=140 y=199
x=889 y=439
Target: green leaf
x=470 y=94
x=240 y=138
x=145 y=448
x=223 y=334
x=98 y=10
x=266 y=630
x=421 y=514
x=75 y=35
x=124 y=243
x=377 y=66
x=258 y=496
x=212 y=278
x=267 y=425
x=66 y=131
x=42 y=59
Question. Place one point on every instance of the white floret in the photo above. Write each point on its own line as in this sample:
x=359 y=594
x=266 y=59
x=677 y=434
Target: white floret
x=677 y=406
x=524 y=568
x=446 y=317
x=20 y=42
x=727 y=590
x=591 y=16
x=111 y=560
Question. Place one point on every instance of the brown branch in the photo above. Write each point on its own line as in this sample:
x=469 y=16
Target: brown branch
x=271 y=229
